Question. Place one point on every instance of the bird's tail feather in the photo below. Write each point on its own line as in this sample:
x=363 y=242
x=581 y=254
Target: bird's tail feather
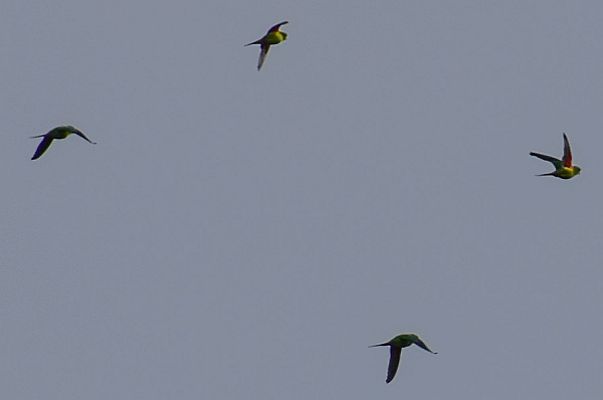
x=382 y=344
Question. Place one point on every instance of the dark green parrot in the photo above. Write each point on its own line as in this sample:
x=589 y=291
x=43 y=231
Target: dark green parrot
x=60 y=132
x=395 y=351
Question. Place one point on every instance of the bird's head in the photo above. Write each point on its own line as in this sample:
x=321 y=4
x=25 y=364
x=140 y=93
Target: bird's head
x=577 y=169
x=284 y=35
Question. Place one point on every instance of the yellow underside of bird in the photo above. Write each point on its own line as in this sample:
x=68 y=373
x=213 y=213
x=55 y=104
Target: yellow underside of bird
x=275 y=37
x=567 y=172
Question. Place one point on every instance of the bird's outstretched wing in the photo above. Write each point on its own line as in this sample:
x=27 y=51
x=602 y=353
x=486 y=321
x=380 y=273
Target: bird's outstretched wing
x=42 y=147
x=567 y=152
x=276 y=27
x=394 y=361
x=263 y=53
x=422 y=345
x=555 y=161
x=80 y=134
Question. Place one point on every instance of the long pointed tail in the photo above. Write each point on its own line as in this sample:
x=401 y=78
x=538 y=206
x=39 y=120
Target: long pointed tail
x=382 y=344
x=259 y=41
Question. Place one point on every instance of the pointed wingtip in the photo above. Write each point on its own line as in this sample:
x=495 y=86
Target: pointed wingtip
x=276 y=27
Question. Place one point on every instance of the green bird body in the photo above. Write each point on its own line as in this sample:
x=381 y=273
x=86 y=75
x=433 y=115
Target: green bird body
x=60 y=132
x=395 y=351
x=272 y=37
x=564 y=168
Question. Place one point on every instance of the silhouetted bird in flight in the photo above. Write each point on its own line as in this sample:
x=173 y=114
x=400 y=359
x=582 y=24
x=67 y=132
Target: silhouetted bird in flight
x=60 y=132
x=273 y=36
x=395 y=351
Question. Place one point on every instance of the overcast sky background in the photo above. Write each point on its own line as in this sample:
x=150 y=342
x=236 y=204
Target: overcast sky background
x=238 y=234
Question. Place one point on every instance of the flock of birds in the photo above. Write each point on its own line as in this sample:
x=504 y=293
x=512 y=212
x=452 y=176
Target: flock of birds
x=564 y=169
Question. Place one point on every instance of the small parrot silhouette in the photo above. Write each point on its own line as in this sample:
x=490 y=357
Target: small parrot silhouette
x=563 y=168
x=273 y=36
x=395 y=351
x=60 y=132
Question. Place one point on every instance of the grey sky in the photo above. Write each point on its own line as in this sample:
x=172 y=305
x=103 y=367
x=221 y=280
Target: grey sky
x=245 y=235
